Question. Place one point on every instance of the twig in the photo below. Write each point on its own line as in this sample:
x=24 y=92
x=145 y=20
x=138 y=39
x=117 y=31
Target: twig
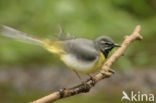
x=104 y=73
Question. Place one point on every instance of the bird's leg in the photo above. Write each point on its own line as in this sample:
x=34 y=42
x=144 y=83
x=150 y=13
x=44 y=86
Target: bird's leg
x=84 y=83
x=93 y=80
x=77 y=74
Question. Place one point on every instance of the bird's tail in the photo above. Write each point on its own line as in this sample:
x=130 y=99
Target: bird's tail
x=18 y=35
x=51 y=45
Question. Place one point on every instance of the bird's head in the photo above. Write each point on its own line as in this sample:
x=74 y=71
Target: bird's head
x=105 y=44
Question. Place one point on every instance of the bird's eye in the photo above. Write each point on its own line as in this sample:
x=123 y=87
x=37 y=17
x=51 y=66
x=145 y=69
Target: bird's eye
x=108 y=44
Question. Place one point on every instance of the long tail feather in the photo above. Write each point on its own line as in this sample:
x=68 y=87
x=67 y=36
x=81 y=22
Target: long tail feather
x=18 y=35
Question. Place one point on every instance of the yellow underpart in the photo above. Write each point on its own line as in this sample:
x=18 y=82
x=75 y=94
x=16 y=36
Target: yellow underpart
x=98 y=65
x=54 y=46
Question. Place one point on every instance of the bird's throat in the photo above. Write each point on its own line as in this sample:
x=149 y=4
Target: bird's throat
x=106 y=52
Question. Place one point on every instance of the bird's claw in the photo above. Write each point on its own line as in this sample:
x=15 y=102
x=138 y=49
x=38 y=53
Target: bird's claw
x=61 y=92
x=86 y=87
x=111 y=71
x=108 y=73
x=93 y=80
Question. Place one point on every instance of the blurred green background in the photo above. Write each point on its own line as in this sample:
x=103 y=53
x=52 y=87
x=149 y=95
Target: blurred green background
x=81 y=18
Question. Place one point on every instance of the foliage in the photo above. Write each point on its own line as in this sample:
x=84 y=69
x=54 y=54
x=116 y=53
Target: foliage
x=81 y=18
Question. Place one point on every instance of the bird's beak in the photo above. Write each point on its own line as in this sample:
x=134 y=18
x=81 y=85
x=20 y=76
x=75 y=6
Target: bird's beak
x=117 y=45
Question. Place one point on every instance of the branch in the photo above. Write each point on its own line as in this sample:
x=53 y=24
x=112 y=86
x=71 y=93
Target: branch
x=104 y=73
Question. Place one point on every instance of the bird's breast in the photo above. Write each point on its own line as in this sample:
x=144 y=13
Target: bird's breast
x=78 y=64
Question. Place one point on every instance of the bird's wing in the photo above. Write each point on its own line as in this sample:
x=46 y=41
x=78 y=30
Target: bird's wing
x=83 y=49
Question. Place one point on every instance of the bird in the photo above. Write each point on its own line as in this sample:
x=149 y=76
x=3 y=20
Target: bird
x=79 y=54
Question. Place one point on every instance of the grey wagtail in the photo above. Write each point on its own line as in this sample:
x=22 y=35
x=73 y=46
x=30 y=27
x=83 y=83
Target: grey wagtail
x=79 y=54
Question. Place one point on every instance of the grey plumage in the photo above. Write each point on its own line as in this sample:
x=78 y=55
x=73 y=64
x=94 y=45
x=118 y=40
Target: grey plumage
x=83 y=49
x=80 y=54
x=89 y=50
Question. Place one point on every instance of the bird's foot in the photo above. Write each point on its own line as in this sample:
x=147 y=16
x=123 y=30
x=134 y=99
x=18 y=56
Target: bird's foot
x=93 y=80
x=111 y=71
x=86 y=87
x=108 y=73
x=61 y=92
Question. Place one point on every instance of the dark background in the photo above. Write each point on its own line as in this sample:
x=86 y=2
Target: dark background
x=28 y=72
